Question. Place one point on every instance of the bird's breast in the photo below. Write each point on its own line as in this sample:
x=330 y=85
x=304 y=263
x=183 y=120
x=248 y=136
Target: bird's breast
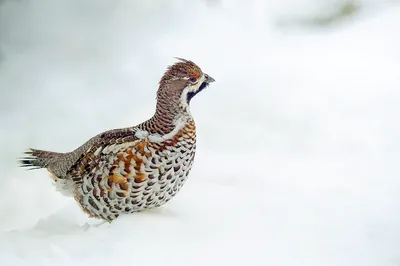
x=143 y=174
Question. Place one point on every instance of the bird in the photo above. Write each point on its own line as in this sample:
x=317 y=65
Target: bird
x=127 y=170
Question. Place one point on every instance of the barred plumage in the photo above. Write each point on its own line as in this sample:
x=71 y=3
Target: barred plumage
x=136 y=168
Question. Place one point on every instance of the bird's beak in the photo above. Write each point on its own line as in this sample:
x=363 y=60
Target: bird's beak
x=208 y=79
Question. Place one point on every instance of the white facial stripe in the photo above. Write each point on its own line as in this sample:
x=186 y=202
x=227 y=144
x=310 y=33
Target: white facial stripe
x=191 y=88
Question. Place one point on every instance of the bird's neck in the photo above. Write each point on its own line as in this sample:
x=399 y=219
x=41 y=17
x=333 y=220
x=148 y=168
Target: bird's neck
x=169 y=113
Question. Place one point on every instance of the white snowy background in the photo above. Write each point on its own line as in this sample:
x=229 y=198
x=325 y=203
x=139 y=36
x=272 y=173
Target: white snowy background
x=298 y=138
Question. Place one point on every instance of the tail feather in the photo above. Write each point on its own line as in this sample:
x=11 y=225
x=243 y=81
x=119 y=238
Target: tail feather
x=36 y=159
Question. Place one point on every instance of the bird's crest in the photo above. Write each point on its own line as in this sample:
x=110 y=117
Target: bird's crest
x=183 y=69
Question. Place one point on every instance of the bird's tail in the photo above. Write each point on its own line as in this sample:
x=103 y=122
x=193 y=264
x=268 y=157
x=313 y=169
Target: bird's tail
x=35 y=159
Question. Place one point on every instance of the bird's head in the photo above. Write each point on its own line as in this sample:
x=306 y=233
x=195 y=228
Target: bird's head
x=181 y=82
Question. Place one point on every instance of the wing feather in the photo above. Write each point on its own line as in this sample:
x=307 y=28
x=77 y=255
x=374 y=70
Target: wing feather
x=106 y=143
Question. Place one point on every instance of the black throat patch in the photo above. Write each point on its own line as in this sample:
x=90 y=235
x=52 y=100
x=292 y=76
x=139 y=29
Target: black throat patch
x=190 y=95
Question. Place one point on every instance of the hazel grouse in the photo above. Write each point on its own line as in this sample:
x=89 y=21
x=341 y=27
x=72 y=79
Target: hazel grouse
x=131 y=169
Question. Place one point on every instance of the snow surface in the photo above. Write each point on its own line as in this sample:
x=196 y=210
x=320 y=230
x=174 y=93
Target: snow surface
x=298 y=138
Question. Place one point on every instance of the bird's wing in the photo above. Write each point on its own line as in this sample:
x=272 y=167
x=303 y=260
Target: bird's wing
x=100 y=151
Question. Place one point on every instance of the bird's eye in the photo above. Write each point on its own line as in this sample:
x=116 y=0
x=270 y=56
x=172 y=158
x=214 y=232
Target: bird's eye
x=193 y=79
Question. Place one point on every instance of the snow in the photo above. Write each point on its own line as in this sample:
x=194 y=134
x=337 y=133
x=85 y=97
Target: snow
x=298 y=138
